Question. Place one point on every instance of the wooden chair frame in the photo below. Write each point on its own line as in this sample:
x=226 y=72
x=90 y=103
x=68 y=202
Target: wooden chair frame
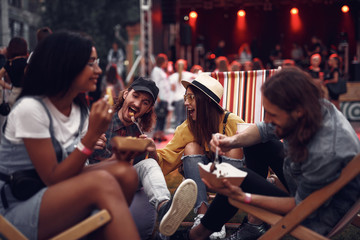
x=88 y=225
x=290 y=223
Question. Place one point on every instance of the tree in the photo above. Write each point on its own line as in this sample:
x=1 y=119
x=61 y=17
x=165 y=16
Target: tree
x=94 y=17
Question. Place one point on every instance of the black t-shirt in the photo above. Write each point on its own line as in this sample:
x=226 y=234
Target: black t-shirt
x=314 y=74
x=15 y=69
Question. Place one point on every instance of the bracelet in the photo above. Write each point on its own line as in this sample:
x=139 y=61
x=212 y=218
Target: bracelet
x=84 y=149
x=247 y=198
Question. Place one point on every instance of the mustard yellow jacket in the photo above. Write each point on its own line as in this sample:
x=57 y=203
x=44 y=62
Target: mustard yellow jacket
x=170 y=155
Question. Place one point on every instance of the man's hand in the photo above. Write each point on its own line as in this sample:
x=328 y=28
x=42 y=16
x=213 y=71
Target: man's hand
x=222 y=142
x=151 y=148
x=228 y=189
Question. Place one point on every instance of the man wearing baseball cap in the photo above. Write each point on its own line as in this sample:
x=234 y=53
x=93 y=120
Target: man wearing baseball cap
x=137 y=102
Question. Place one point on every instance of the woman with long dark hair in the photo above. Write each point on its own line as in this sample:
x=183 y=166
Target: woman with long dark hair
x=190 y=144
x=51 y=132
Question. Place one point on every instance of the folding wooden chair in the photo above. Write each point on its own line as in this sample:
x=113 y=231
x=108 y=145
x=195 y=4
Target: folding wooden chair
x=88 y=225
x=242 y=92
x=290 y=223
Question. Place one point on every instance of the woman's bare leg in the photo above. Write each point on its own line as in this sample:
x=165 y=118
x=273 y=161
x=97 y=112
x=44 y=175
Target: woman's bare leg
x=70 y=201
x=119 y=170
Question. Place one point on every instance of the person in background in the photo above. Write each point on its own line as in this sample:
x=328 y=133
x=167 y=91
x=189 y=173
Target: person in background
x=220 y=49
x=297 y=54
x=318 y=142
x=116 y=56
x=179 y=91
x=112 y=82
x=159 y=76
x=196 y=69
x=245 y=53
x=275 y=56
x=222 y=64
x=316 y=72
x=51 y=132
x=41 y=33
x=235 y=66
x=257 y=64
x=288 y=63
x=16 y=54
x=189 y=145
x=332 y=76
x=247 y=66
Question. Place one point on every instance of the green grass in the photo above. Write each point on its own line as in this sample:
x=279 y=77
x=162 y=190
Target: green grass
x=174 y=179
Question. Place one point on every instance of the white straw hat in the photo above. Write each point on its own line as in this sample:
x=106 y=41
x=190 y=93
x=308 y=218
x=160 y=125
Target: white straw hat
x=208 y=85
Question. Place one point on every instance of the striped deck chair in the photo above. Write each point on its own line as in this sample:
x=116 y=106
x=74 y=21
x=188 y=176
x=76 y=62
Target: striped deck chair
x=242 y=95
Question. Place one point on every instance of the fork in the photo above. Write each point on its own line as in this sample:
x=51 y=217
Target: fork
x=216 y=160
x=137 y=124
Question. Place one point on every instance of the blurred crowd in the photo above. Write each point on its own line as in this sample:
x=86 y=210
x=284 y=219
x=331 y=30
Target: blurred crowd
x=325 y=65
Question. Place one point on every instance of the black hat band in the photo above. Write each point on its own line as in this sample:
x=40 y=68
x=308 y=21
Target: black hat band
x=206 y=90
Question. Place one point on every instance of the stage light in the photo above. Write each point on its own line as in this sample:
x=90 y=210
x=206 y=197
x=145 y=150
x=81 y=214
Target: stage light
x=186 y=18
x=193 y=14
x=345 y=9
x=241 y=13
x=294 y=11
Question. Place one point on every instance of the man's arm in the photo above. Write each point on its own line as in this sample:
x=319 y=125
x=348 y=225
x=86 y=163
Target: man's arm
x=281 y=205
x=248 y=137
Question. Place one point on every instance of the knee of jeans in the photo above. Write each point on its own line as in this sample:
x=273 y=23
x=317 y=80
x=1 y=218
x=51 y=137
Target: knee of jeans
x=195 y=158
x=145 y=165
x=238 y=163
x=193 y=148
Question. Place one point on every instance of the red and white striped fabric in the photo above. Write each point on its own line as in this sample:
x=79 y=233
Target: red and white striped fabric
x=242 y=92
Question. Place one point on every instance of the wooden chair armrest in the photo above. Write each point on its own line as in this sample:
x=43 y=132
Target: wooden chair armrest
x=85 y=227
x=8 y=231
x=299 y=232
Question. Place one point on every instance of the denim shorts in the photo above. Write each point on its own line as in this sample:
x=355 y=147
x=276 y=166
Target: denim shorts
x=24 y=215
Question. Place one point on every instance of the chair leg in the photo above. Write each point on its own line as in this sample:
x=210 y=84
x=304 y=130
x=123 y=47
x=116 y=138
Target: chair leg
x=85 y=227
x=8 y=231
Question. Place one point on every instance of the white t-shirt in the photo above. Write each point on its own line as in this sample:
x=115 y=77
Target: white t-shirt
x=30 y=120
x=179 y=92
x=160 y=78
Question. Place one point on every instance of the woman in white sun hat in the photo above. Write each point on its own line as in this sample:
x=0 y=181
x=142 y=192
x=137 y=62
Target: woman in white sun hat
x=189 y=145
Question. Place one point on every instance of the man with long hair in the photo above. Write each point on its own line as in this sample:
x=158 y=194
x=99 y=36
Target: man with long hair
x=137 y=104
x=318 y=142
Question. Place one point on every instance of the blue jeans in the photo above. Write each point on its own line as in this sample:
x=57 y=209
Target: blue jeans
x=152 y=179
x=191 y=170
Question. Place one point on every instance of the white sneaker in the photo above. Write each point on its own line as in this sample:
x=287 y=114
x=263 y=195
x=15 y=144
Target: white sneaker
x=177 y=208
x=197 y=220
x=213 y=236
x=219 y=235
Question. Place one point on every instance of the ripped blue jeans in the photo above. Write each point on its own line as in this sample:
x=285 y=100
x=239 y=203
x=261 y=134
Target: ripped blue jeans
x=191 y=170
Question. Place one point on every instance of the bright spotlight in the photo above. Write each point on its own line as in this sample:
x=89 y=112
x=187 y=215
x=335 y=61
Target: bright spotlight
x=193 y=14
x=241 y=13
x=345 y=9
x=294 y=11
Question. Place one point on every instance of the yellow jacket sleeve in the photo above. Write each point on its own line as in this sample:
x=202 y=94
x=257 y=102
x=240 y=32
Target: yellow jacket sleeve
x=170 y=155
